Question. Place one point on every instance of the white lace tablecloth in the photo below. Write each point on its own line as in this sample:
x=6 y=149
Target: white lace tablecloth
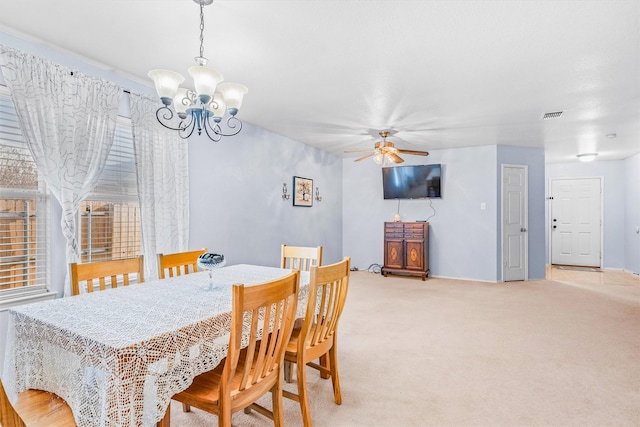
x=117 y=356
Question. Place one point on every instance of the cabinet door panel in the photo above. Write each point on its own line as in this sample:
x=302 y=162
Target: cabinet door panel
x=393 y=254
x=414 y=259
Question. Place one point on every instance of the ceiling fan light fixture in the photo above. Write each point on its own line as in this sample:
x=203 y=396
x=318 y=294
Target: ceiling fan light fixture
x=385 y=152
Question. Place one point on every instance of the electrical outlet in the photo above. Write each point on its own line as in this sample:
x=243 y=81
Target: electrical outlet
x=483 y=206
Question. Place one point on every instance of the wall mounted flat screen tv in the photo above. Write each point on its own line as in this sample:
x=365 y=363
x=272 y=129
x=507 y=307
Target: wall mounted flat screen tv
x=412 y=182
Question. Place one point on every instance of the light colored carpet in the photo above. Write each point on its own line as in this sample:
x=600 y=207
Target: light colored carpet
x=460 y=353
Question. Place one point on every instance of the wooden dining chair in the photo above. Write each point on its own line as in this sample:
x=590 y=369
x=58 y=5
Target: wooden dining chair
x=105 y=271
x=35 y=408
x=177 y=264
x=300 y=257
x=263 y=314
x=318 y=335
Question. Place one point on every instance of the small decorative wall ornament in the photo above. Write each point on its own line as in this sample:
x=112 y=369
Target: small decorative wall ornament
x=318 y=196
x=302 y=191
x=285 y=194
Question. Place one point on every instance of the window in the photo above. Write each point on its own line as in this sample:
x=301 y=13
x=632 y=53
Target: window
x=23 y=213
x=110 y=215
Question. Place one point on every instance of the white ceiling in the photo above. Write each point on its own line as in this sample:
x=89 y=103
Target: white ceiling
x=331 y=74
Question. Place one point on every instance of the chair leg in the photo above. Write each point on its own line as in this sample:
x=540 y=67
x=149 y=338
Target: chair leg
x=324 y=362
x=166 y=421
x=186 y=408
x=335 y=379
x=288 y=371
x=302 y=393
x=277 y=407
x=224 y=417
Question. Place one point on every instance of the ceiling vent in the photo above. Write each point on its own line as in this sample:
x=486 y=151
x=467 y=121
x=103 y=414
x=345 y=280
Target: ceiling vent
x=554 y=115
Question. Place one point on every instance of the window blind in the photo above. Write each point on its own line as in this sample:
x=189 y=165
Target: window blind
x=23 y=210
x=110 y=215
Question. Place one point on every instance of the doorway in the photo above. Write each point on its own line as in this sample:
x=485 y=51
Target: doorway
x=576 y=221
x=515 y=219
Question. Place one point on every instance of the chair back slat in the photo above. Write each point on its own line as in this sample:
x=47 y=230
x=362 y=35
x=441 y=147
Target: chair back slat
x=105 y=269
x=270 y=361
x=179 y=263
x=300 y=257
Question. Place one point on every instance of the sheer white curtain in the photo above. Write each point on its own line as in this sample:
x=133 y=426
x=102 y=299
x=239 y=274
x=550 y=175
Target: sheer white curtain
x=162 y=166
x=68 y=120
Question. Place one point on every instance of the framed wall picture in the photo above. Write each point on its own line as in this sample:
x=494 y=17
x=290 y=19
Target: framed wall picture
x=303 y=191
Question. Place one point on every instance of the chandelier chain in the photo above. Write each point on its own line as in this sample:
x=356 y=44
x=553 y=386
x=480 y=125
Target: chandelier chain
x=201 y=30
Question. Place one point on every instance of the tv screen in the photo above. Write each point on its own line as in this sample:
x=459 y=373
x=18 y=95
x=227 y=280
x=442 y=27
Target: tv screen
x=411 y=182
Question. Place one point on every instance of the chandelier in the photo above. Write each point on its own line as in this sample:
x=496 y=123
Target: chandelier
x=186 y=110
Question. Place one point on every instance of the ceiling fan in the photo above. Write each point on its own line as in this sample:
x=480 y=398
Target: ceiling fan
x=386 y=152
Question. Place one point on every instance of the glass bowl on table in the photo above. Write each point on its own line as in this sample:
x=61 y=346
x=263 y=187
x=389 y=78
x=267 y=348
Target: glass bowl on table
x=211 y=262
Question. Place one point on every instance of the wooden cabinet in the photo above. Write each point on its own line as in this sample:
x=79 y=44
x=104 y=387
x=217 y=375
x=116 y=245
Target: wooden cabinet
x=406 y=248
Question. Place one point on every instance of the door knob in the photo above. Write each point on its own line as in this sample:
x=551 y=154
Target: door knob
x=554 y=220
x=554 y=226
x=523 y=229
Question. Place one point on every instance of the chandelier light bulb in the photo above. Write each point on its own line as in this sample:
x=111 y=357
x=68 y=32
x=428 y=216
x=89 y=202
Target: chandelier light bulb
x=166 y=82
x=218 y=107
x=205 y=81
x=233 y=94
x=181 y=102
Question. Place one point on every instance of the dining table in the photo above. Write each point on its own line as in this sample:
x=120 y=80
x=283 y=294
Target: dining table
x=118 y=356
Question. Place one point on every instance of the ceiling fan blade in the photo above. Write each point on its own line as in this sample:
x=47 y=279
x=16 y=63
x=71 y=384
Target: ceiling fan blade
x=364 y=157
x=416 y=153
x=396 y=158
x=357 y=151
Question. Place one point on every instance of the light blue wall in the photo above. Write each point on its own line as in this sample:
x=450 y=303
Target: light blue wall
x=534 y=159
x=462 y=238
x=613 y=174
x=236 y=197
x=632 y=214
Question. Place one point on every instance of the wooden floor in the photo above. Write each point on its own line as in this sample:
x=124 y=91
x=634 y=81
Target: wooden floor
x=616 y=283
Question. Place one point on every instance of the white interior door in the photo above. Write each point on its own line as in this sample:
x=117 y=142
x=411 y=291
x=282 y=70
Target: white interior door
x=576 y=226
x=515 y=207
